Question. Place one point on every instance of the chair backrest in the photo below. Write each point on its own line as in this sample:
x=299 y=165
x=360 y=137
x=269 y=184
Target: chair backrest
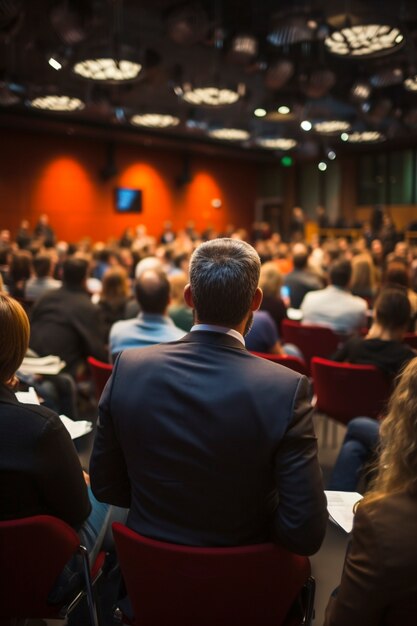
x=33 y=552
x=310 y=339
x=100 y=373
x=346 y=390
x=188 y=586
x=293 y=362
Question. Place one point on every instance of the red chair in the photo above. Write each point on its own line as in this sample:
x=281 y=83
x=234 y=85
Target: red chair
x=33 y=552
x=293 y=362
x=310 y=339
x=100 y=373
x=188 y=586
x=346 y=390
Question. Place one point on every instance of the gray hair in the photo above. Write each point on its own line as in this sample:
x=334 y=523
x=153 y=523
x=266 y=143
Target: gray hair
x=224 y=275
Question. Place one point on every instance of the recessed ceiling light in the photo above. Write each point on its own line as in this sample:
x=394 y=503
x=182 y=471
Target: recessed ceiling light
x=107 y=69
x=411 y=83
x=154 y=120
x=366 y=136
x=259 y=112
x=331 y=155
x=57 y=103
x=344 y=137
x=277 y=143
x=322 y=166
x=212 y=96
x=229 y=134
x=328 y=127
x=306 y=125
x=284 y=110
x=364 y=40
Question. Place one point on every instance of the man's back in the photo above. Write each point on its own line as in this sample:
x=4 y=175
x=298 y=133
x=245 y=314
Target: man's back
x=336 y=308
x=211 y=446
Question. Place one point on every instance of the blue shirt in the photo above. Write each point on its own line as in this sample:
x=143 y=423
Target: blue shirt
x=147 y=329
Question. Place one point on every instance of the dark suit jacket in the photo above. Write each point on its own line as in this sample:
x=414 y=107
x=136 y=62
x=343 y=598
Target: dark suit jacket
x=210 y=446
x=39 y=468
x=379 y=581
x=66 y=323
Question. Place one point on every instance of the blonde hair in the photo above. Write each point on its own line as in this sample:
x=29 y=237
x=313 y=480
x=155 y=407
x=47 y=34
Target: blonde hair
x=363 y=273
x=178 y=282
x=397 y=464
x=270 y=279
x=14 y=337
x=115 y=285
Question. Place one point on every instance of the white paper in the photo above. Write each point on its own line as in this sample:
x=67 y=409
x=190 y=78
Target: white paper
x=42 y=365
x=76 y=429
x=340 y=507
x=27 y=397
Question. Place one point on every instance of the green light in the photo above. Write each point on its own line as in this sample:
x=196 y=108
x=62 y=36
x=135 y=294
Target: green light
x=286 y=161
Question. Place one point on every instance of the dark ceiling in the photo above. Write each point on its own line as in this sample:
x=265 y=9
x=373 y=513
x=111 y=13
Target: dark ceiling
x=180 y=42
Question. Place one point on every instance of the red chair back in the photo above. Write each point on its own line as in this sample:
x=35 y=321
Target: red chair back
x=188 y=586
x=33 y=551
x=100 y=373
x=293 y=362
x=311 y=340
x=346 y=390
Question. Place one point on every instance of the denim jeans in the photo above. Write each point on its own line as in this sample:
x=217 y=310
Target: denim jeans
x=359 y=445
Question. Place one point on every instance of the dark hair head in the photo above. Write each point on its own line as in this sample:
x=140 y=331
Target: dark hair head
x=300 y=256
x=74 y=272
x=340 y=273
x=20 y=265
x=152 y=291
x=42 y=265
x=392 y=308
x=224 y=275
x=14 y=337
x=397 y=274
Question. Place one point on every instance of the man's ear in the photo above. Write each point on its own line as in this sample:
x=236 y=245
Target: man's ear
x=188 y=297
x=257 y=299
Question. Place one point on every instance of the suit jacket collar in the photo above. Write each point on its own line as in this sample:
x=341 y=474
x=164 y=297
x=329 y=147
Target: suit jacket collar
x=209 y=337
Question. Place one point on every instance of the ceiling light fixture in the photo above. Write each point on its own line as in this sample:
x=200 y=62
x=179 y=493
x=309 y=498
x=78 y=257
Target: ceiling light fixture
x=57 y=103
x=277 y=143
x=284 y=110
x=107 y=69
x=411 y=83
x=344 y=137
x=364 y=40
x=322 y=166
x=329 y=127
x=155 y=120
x=331 y=155
x=306 y=125
x=212 y=96
x=366 y=136
x=55 y=64
x=229 y=134
x=259 y=112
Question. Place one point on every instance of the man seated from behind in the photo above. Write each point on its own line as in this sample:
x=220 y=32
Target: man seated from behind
x=207 y=444
x=301 y=280
x=334 y=306
x=42 y=281
x=152 y=325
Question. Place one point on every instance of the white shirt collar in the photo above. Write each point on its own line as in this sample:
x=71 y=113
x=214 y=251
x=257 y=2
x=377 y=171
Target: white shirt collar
x=212 y=328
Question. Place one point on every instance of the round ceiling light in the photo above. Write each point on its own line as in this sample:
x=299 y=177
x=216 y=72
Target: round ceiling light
x=229 y=134
x=366 y=136
x=57 y=103
x=411 y=83
x=277 y=143
x=364 y=40
x=154 y=120
x=106 y=69
x=328 y=127
x=212 y=96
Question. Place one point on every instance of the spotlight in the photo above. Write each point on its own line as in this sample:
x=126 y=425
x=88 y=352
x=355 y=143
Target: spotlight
x=284 y=110
x=322 y=166
x=306 y=125
x=331 y=155
x=259 y=112
x=344 y=137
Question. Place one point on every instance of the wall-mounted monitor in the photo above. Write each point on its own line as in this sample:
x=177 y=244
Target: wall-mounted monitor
x=127 y=200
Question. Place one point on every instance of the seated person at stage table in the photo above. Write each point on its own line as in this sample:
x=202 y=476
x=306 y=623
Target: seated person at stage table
x=152 y=325
x=384 y=348
x=207 y=444
x=379 y=580
x=301 y=280
x=40 y=473
x=334 y=306
x=65 y=322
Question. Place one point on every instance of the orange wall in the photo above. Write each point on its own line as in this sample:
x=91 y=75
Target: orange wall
x=58 y=175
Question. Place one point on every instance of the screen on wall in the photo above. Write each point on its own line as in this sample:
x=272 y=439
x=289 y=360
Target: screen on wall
x=128 y=200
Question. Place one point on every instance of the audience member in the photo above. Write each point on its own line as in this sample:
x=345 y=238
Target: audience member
x=42 y=281
x=379 y=580
x=115 y=296
x=214 y=446
x=262 y=335
x=270 y=282
x=39 y=468
x=334 y=306
x=301 y=280
x=66 y=323
x=178 y=311
x=152 y=325
x=363 y=282
x=19 y=273
x=397 y=274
